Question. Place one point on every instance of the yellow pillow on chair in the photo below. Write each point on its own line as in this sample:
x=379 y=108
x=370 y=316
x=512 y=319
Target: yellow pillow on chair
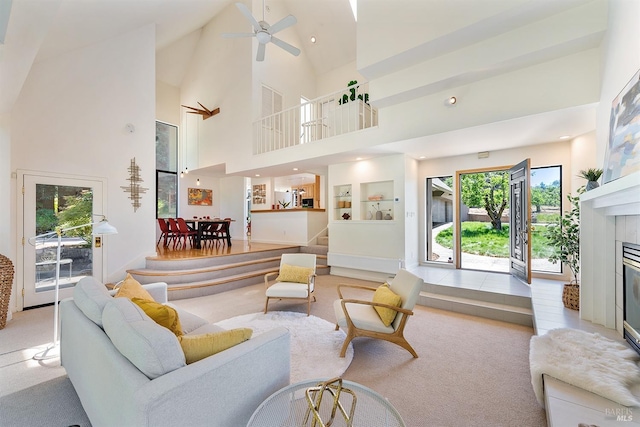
x=384 y=295
x=292 y=273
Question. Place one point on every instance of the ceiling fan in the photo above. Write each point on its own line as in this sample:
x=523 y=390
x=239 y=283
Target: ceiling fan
x=264 y=32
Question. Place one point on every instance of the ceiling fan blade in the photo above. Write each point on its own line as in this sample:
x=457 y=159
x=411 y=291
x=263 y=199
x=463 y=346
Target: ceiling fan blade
x=260 y=55
x=286 y=46
x=234 y=35
x=247 y=13
x=285 y=22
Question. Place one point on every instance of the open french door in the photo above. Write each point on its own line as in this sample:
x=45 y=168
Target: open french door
x=519 y=221
x=44 y=202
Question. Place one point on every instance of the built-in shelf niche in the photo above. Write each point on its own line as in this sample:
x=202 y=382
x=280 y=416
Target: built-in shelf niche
x=342 y=202
x=377 y=201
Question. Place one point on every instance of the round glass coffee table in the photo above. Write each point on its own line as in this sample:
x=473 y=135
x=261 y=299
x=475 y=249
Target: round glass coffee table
x=312 y=403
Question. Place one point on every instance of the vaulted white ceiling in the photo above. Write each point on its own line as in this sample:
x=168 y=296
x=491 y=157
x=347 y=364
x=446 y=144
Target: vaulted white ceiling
x=39 y=30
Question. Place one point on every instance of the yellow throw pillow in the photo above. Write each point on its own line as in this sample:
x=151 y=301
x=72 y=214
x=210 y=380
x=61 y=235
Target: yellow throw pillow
x=162 y=314
x=197 y=347
x=292 y=273
x=131 y=288
x=384 y=295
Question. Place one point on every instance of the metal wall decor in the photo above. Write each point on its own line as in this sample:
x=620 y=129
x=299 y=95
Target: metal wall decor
x=134 y=185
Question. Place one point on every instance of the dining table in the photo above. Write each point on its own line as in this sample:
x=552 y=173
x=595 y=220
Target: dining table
x=200 y=225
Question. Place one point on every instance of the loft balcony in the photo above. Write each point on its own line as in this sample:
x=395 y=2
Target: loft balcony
x=339 y=113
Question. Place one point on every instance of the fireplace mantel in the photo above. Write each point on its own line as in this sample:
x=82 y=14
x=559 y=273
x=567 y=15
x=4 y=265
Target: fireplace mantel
x=619 y=197
x=598 y=210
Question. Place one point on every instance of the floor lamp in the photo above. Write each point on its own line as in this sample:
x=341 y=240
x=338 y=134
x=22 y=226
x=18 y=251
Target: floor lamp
x=99 y=228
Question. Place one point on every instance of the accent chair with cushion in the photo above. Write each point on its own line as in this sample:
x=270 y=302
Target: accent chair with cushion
x=384 y=316
x=296 y=279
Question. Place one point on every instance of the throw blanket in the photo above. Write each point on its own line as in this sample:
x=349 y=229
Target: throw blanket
x=586 y=360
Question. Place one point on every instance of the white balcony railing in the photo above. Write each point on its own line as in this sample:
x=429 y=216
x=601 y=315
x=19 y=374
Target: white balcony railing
x=341 y=112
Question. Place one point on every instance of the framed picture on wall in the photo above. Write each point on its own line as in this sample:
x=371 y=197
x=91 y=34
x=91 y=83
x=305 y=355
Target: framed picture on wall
x=259 y=194
x=623 y=150
x=200 y=196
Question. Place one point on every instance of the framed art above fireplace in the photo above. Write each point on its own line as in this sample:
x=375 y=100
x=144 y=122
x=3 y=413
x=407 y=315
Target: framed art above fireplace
x=623 y=150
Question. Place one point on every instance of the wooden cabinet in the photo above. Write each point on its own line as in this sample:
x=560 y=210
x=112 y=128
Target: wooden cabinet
x=305 y=191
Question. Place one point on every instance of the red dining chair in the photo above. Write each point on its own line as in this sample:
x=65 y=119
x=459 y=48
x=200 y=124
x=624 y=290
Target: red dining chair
x=186 y=232
x=165 y=232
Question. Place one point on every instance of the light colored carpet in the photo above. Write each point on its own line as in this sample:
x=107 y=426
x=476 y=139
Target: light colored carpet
x=587 y=360
x=471 y=371
x=315 y=344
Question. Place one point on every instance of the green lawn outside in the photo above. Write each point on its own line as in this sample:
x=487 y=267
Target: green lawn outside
x=480 y=239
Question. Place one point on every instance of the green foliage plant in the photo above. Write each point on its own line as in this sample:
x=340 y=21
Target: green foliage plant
x=564 y=236
x=489 y=190
x=592 y=174
x=353 y=86
x=284 y=204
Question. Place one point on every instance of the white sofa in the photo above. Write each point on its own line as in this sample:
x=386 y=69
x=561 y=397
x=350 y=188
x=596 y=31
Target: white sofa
x=220 y=390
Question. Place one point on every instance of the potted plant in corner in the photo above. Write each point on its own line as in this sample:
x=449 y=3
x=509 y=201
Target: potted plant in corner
x=564 y=236
x=592 y=176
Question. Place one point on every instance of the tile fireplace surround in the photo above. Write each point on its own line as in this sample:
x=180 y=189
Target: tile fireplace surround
x=609 y=216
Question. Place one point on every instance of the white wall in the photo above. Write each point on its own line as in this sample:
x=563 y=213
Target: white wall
x=620 y=61
x=187 y=211
x=7 y=217
x=368 y=245
x=70 y=119
x=338 y=79
x=167 y=103
x=219 y=75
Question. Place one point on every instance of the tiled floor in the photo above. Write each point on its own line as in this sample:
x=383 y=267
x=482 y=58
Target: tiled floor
x=546 y=296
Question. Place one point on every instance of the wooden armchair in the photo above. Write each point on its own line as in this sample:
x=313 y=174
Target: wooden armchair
x=296 y=279
x=360 y=319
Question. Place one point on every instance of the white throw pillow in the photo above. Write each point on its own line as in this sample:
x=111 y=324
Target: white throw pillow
x=91 y=297
x=153 y=349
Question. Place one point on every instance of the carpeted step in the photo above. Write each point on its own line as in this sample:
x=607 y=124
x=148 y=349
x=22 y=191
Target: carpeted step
x=209 y=287
x=315 y=249
x=476 y=304
x=323 y=240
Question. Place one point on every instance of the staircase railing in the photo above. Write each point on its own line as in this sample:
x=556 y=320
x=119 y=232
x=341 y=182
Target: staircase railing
x=341 y=112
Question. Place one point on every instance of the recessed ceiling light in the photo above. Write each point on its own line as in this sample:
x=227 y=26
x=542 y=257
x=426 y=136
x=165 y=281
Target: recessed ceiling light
x=358 y=158
x=295 y=169
x=452 y=100
x=422 y=157
x=313 y=39
x=257 y=174
x=565 y=137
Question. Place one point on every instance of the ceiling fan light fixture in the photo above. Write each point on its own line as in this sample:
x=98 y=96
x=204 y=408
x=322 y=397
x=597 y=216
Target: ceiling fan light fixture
x=264 y=32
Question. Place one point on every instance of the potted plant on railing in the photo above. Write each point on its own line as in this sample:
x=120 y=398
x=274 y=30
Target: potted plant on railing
x=353 y=87
x=564 y=236
x=592 y=176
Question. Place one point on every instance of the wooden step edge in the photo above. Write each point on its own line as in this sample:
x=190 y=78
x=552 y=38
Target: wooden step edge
x=220 y=281
x=478 y=303
x=226 y=279
x=149 y=272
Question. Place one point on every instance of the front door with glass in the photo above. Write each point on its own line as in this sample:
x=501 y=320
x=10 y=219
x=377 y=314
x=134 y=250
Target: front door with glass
x=50 y=203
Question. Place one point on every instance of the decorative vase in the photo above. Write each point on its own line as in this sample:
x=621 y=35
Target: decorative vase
x=378 y=214
x=387 y=216
x=591 y=185
x=571 y=296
